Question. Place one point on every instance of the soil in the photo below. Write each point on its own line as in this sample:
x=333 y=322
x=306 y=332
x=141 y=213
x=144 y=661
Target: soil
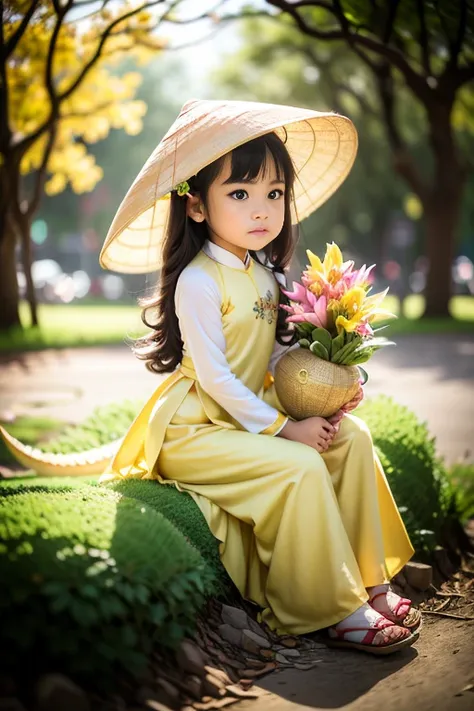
x=436 y=674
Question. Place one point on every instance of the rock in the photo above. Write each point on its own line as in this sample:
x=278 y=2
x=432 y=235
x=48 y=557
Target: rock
x=228 y=661
x=146 y=696
x=235 y=617
x=190 y=658
x=252 y=642
x=289 y=642
x=171 y=693
x=219 y=674
x=214 y=703
x=254 y=663
x=267 y=653
x=213 y=686
x=193 y=684
x=156 y=705
x=11 y=703
x=55 y=692
x=230 y=634
x=443 y=563
x=255 y=673
x=280 y=658
x=307 y=667
x=290 y=653
x=418 y=575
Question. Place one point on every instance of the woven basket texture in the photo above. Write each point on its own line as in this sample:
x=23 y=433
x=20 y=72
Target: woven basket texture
x=308 y=386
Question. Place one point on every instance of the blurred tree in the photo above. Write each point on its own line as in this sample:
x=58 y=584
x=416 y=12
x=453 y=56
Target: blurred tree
x=423 y=49
x=58 y=92
x=278 y=64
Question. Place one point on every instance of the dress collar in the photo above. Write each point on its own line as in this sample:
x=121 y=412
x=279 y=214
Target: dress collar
x=223 y=256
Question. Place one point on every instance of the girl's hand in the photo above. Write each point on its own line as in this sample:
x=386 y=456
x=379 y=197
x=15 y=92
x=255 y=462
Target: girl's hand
x=316 y=432
x=356 y=400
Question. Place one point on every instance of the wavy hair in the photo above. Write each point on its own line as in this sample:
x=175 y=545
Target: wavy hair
x=162 y=349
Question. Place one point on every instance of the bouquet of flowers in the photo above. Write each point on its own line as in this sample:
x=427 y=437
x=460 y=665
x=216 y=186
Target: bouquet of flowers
x=333 y=312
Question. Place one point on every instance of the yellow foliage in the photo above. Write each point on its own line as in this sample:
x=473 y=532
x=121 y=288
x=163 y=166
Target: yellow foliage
x=103 y=100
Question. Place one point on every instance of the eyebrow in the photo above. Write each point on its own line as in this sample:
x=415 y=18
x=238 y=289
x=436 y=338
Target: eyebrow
x=248 y=180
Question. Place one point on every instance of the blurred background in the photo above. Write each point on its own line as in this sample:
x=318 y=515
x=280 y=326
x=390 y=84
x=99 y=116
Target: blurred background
x=91 y=88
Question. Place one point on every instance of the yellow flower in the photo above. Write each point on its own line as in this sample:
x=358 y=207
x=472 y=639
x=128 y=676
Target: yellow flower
x=355 y=307
x=352 y=301
x=330 y=269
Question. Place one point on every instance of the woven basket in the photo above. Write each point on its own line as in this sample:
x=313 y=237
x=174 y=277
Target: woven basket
x=308 y=386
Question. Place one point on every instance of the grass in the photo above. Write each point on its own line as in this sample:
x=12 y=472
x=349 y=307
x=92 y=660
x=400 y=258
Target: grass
x=71 y=325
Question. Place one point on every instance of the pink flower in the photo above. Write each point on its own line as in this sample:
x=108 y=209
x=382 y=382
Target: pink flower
x=310 y=309
x=364 y=329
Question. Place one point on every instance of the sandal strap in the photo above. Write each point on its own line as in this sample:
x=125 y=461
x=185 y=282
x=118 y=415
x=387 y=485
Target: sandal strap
x=381 y=624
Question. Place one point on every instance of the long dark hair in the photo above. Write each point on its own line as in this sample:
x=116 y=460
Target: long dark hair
x=163 y=348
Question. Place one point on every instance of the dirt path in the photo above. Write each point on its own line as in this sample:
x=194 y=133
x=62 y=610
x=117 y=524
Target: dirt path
x=433 y=375
x=428 y=677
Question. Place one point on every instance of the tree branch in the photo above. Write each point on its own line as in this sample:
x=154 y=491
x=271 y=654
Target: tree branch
x=10 y=46
x=392 y=14
x=458 y=42
x=33 y=204
x=424 y=39
x=403 y=161
x=49 y=82
x=414 y=80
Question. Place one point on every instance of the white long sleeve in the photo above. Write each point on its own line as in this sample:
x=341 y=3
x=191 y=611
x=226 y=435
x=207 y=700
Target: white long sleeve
x=200 y=323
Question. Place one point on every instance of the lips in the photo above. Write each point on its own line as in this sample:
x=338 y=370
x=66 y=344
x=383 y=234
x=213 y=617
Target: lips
x=259 y=231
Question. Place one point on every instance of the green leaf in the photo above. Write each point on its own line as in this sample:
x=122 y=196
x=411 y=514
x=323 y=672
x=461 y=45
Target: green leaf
x=304 y=343
x=336 y=344
x=158 y=613
x=323 y=336
x=364 y=374
x=319 y=350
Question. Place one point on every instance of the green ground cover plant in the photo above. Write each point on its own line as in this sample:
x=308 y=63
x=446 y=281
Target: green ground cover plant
x=91 y=581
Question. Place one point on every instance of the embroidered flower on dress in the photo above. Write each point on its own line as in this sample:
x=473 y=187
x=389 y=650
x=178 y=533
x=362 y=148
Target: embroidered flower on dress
x=266 y=308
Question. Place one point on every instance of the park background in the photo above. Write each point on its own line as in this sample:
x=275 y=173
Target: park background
x=403 y=73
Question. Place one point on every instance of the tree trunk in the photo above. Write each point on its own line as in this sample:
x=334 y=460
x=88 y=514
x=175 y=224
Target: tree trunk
x=9 y=297
x=441 y=219
x=24 y=228
x=442 y=207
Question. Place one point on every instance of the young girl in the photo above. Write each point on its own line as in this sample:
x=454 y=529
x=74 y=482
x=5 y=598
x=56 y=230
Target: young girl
x=307 y=525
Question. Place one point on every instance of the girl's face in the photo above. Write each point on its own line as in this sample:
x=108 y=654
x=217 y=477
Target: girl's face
x=244 y=215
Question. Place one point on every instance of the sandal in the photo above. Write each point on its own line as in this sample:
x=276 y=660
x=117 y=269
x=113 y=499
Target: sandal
x=411 y=620
x=366 y=644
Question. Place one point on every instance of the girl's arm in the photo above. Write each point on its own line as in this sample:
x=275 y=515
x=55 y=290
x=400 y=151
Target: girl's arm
x=198 y=307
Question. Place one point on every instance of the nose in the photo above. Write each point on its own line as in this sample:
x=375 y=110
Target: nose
x=259 y=212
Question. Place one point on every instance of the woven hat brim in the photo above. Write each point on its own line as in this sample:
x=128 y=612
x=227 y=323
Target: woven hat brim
x=322 y=147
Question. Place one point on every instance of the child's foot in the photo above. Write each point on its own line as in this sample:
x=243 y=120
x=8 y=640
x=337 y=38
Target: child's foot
x=393 y=607
x=369 y=631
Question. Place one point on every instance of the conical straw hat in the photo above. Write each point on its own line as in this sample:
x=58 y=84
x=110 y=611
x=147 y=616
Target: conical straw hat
x=322 y=147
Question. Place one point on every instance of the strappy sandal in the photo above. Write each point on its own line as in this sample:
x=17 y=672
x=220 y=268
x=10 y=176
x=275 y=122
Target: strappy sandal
x=366 y=644
x=411 y=621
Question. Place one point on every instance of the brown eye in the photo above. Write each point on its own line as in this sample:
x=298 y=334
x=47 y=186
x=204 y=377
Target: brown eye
x=239 y=194
x=276 y=194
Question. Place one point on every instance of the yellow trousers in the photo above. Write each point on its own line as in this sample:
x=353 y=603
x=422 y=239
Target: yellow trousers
x=301 y=534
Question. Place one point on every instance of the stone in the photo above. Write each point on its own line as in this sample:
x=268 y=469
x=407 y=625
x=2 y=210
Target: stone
x=289 y=642
x=193 y=684
x=190 y=658
x=280 y=658
x=214 y=703
x=252 y=642
x=255 y=673
x=230 y=634
x=56 y=692
x=218 y=673
x=307 y=667
x=418 y=575
x=170 y=691
x=443 y=563
x=213 y=686
x=254 y=663
x=235 y=617
x=267 y=653
x=290 y=653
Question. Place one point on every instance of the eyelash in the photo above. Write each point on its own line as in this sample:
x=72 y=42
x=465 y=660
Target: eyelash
x=277 y=190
